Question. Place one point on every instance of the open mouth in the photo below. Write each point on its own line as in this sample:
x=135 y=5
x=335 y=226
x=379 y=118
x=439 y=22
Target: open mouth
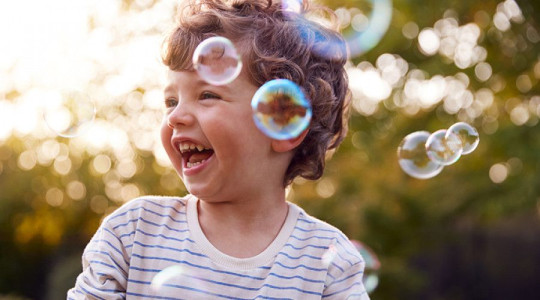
x=193 y=154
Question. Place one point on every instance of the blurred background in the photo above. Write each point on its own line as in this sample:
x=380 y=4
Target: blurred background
x=471 y=232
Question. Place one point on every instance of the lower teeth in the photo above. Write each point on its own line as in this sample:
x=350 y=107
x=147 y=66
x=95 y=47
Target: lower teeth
x=190 y=164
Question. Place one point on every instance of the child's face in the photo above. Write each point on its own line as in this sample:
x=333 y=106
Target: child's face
x=236 y=157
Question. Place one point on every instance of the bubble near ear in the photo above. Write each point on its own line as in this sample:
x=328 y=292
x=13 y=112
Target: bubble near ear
x=280 y=109
x=217 y=61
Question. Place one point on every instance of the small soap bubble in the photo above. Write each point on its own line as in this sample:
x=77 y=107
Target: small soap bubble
x=280 y=109
x=292 y=6
x=217 y=61
x=467 y=134
x=444 y=147
x=329 y=255
x=71 y=114
x=413 y=158
x=371 y=270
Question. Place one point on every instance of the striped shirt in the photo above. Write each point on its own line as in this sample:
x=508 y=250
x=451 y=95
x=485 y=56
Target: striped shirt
x=153 y=247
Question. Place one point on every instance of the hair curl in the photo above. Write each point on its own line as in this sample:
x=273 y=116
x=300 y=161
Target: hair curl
x=277 y=44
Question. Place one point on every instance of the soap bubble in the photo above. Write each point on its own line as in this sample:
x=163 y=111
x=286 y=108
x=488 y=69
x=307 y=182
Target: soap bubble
x=367 y=30
x=413 y=158
x=292 y=6
x=443 y=147
x=467 y=134
x=280 y=109
x=362 y=26
x=217 y=61
x=70 y=114
x=172 y=280
x=371 y=270
x=166 y=276
x=329 y=255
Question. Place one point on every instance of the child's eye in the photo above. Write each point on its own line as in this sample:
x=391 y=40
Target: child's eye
x=170 y=102
x=208 y=95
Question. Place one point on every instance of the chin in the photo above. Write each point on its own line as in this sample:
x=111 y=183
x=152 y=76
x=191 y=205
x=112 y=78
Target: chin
x=197 y=191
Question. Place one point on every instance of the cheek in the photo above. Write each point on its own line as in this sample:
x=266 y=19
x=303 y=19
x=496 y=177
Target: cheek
x=166 y=133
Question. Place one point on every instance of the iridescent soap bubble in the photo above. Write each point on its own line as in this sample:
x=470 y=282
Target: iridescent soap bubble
x=362 y=26
x=280 y=109
x=217 y=61
x=70 y=114
x=371 y=270
x=444 y=147
x=367 y=30
x=467 y=134
x=413 y=158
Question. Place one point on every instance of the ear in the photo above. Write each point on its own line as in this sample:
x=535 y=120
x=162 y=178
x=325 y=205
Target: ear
x=287 y=145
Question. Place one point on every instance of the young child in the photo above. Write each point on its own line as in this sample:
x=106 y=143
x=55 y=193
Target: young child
x=235 y=236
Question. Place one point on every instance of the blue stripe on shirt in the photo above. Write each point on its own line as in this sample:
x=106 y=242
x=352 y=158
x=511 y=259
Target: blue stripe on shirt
x=169 y=248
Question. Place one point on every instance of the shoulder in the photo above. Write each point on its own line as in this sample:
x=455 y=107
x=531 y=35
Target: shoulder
x=327 y=236
x=149 y=207
x=313 y=226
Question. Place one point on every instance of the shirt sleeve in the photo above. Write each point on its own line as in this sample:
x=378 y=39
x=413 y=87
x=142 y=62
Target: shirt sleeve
x=345 y=275
x=105 y=263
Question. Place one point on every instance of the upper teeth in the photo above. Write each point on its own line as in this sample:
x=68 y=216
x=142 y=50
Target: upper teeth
x=184 y=147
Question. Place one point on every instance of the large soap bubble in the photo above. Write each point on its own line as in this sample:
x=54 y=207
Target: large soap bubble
x=280 y=109
x=367 y=29
x=413 y=158
x=217 y=61
x=362 y=24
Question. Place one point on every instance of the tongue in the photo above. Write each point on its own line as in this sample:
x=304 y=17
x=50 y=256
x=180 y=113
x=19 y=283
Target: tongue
x=200 y=156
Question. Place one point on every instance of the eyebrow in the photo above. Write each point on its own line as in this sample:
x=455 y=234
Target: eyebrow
x=170 y=88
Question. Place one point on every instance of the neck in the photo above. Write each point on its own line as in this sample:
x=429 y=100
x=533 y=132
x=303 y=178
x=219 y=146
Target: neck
x=243 y=228
x=243 y=213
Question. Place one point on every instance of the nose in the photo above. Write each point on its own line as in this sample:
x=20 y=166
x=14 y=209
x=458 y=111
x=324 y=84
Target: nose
x=181 y=115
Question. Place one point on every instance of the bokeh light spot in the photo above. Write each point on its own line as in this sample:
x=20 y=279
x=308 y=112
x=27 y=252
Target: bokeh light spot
x=27 y=160
x=54 y=197
x=498 y=173
x=76 y=190
x=102 y=163
x=428 y=41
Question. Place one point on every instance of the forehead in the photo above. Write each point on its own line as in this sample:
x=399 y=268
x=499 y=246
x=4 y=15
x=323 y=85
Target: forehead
x=189 y=80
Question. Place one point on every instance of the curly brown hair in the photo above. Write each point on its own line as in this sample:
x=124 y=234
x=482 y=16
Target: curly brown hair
x=277 y=43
